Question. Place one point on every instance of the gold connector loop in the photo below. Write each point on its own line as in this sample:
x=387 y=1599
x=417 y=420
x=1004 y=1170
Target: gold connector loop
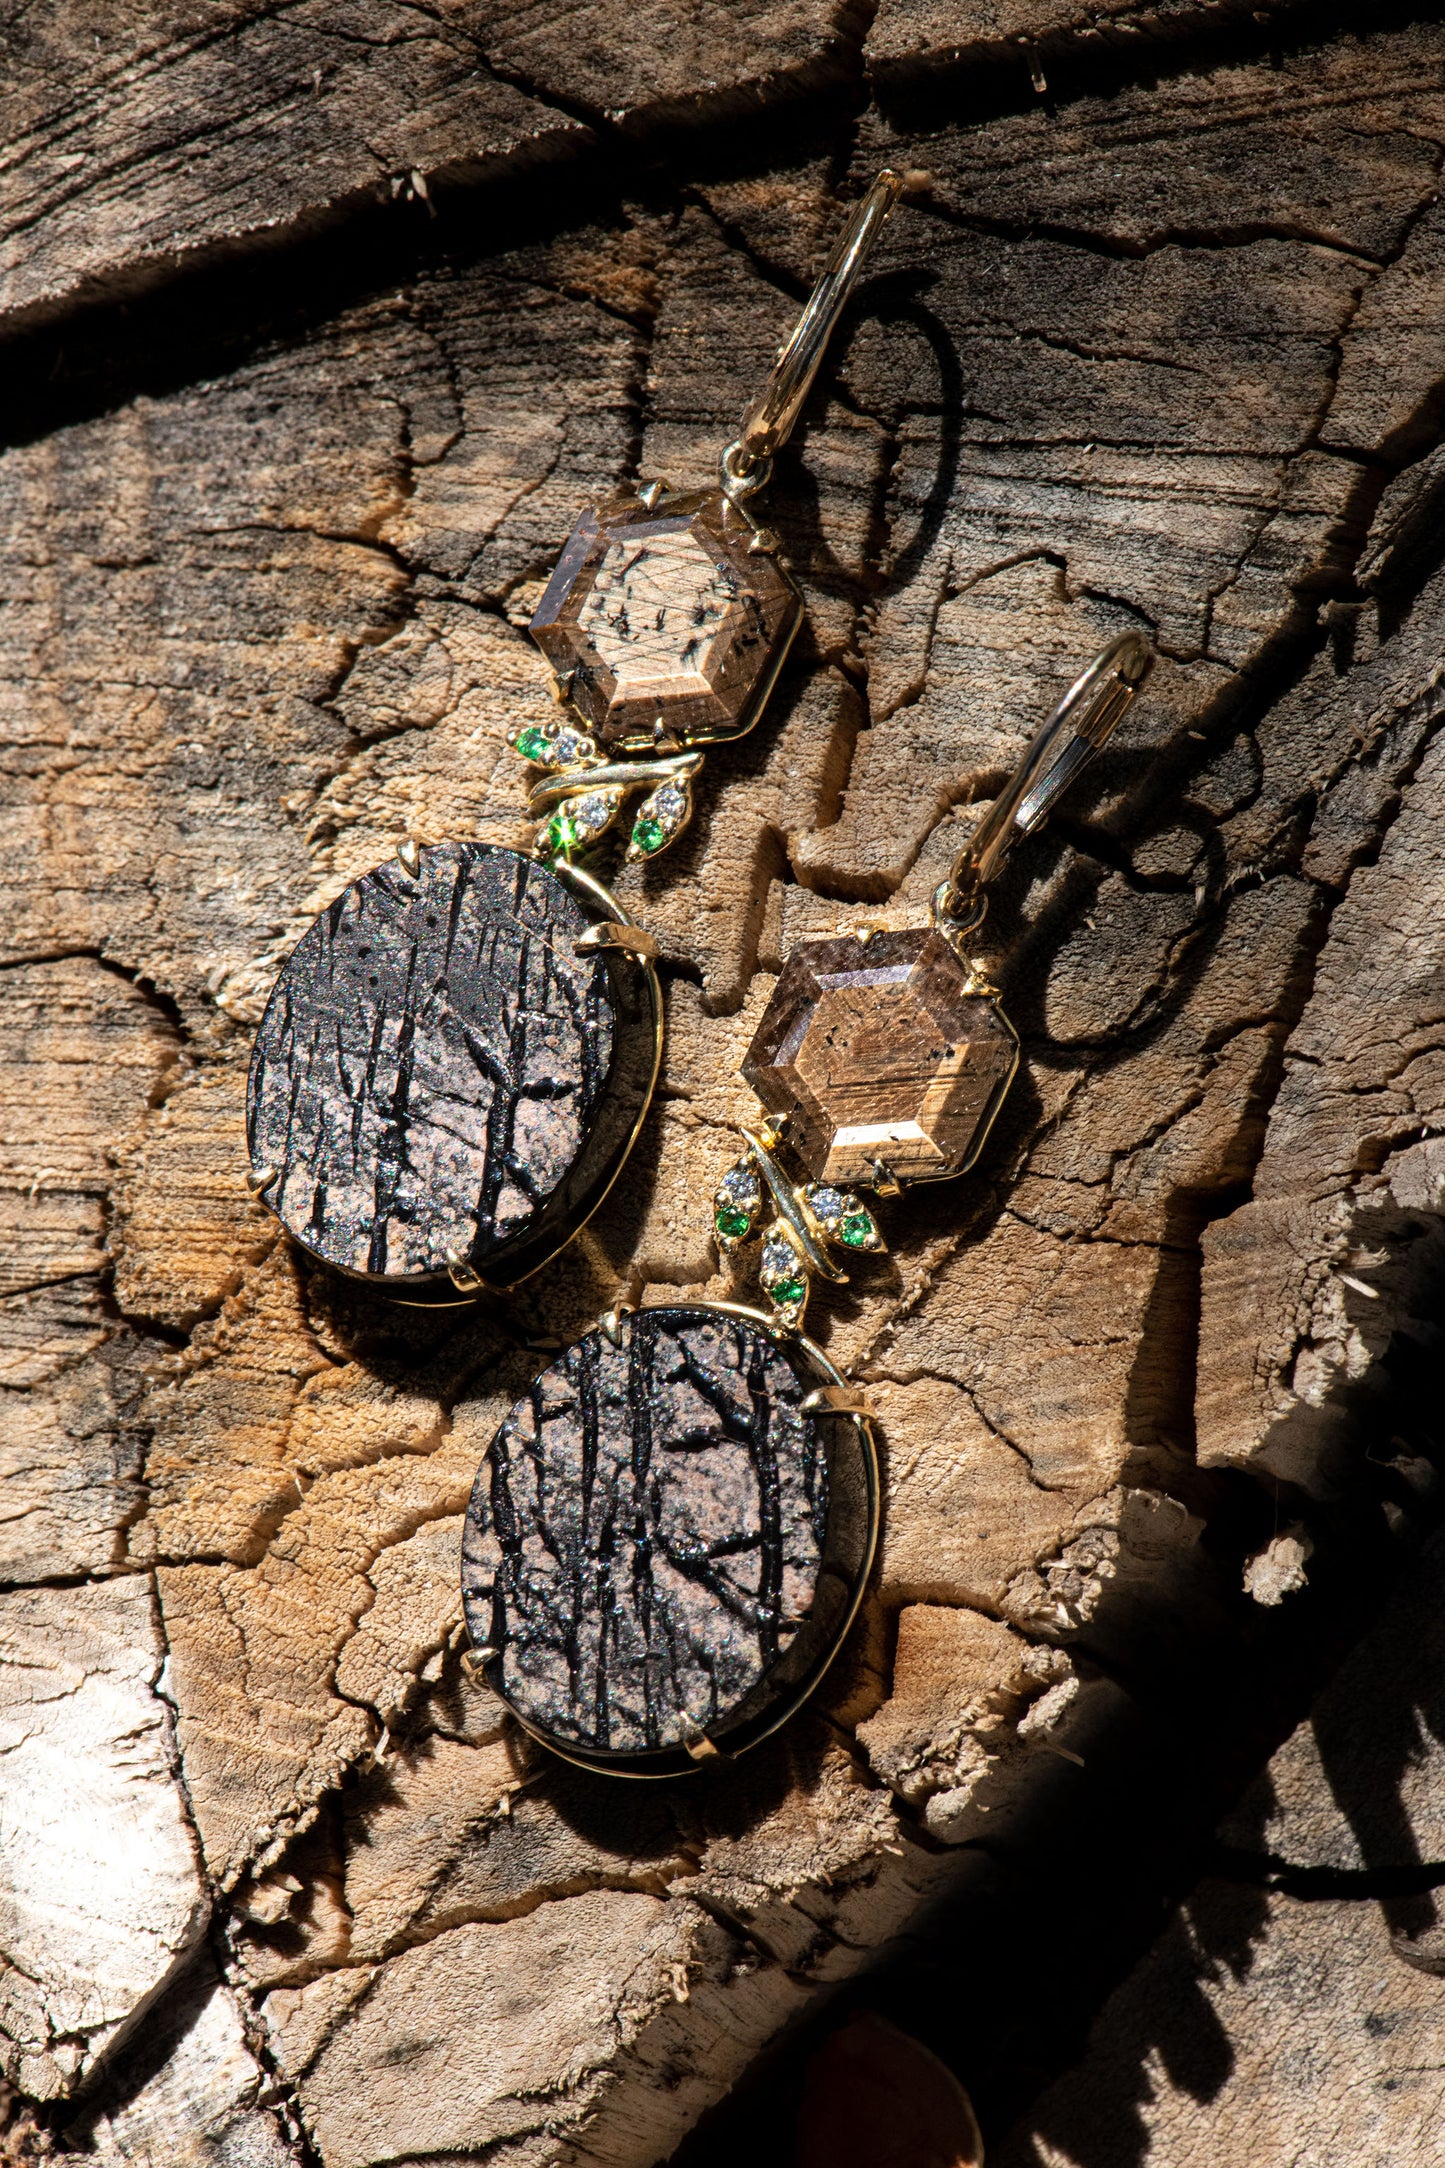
x=837 y=1400
x=768 y=423
x=1084 y=721
x=742 y=475
x=610 y=933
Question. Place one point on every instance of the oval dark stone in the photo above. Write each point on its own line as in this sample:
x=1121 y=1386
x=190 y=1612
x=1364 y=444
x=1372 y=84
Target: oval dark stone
x=438 y=1067
x=662 y=1546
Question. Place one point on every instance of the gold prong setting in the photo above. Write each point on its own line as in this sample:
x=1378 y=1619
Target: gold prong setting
x=460 y=1272
x=610 y=933
x=842 y=1216
x=838 y=1400
x=611 y=1321
x=783 y=1273
x=737 y=1206
x=554 y=745
x=660 y=819
x=578 y=822
x=808 y=1217
x=697 y=1742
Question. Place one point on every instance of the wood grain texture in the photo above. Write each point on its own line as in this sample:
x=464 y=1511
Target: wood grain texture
x=101 y=1884
x=190 y=2092
x=1289 y=2010
x=910 y=43
x=1156 y=353
x=141 y=136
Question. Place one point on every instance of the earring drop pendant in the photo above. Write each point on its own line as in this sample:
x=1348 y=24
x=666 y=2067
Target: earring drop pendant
x=669 y=1538
x=672 y=1530
x=669 y=615
x=445 y=1079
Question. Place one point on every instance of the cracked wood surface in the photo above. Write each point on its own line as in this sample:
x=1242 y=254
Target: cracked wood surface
x=1158 y=353
x=1289 y=2011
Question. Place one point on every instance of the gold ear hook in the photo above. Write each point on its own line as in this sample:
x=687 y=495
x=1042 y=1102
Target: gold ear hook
x=1084 y=721
x=747 y=462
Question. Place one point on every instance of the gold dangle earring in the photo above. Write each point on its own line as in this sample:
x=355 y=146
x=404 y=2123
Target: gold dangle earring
x=883 y=1058
x=458 y=1055
x=671 y=1533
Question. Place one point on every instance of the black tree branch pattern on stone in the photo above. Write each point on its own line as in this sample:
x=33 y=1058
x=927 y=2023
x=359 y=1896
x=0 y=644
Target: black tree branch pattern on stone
x=647 y=1530
x=430 y=1062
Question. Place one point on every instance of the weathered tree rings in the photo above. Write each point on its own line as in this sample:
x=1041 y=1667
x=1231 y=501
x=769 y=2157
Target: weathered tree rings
x=442 y=1085
x=668 y=1539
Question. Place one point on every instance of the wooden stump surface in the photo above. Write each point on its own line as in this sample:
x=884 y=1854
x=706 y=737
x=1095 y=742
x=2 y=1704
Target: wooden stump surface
x=322 y=323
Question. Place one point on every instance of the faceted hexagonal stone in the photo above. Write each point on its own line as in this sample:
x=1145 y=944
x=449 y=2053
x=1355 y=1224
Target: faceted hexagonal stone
x=665 y=1542
x=439 y=1070
x=666 y=616
x=877 y=1052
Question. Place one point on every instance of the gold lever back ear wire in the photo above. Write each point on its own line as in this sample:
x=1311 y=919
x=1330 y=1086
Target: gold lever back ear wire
x=747 y=463
x=1080 y=726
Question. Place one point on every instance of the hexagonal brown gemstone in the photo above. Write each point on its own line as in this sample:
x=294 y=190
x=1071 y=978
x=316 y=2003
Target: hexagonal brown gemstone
x=878 y=1053
x=665 y=615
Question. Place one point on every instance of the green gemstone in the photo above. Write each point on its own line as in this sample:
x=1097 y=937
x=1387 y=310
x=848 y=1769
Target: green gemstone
x=533 y=745
x=786 y=1292
x=561 y=832
x=855 y=1229
x=649 y=835
x=729 y=1221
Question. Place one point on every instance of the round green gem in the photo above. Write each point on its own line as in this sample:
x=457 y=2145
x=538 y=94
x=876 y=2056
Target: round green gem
x=786 y=1292
x=729 y=1221
x=561 y=831
x=533 y=744
x=855 y=1229
x=648 y=834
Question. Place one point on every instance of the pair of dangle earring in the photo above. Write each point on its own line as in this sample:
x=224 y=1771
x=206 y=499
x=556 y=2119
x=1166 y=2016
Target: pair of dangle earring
x=671 y=1532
